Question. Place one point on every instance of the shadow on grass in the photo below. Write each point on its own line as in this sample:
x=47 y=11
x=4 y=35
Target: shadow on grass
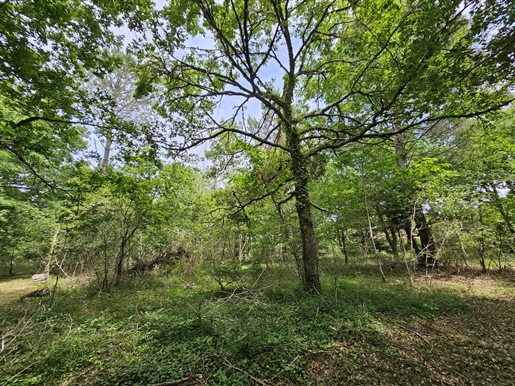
x=271 y=334
x=153 y=330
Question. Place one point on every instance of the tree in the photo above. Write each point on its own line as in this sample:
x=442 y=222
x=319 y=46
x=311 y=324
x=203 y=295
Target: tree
x=121 y=120
x=47 y=50
x=29 y=203
x=483 y=162
x=330 y=73
x=339 y=192
x=118 y=218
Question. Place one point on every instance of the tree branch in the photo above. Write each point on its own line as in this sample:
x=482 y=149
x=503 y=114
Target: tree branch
x=363 y=134
x=31 y=168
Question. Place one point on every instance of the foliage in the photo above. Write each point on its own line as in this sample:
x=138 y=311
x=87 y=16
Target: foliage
x=377 y=130
x=121 y=217
x=346 y=72
x=265 y=331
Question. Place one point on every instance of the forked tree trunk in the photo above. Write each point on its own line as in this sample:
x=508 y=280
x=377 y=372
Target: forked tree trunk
x=127 y=235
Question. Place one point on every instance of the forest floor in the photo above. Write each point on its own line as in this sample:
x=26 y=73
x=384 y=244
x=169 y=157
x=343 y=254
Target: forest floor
x=449 y=327
x=12 y=289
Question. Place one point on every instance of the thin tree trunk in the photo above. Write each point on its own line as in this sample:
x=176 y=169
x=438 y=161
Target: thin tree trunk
x=378 y=260
x=413 y=245
x=11 y=264
x=408 y=268
x=291 y=240
x=395 y=242
x=391 y=237
x=105 y=281
x=481 y=246
x=342 y=242
x=121 y=255
x=428 y=247
x=52 y=248
x=463 y=252
x=107 y=151
x=119 y=263
x=498 y=204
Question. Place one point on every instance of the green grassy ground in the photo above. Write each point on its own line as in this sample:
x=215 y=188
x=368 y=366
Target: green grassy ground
x=448 y=329
x=11 y=289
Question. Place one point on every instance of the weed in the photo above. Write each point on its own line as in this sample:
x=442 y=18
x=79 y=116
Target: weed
x=154 y=329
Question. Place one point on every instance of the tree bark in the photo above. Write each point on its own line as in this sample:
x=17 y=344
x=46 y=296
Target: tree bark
x=309 y=247
x=11 y=264
x=107 y=151
x=127 y=235
x=390 y=234
x=412 y=242
x=342 y=241
x=395 y=242
x=303 y=205
x=428 y=248
x=299 y=168
x=119 y=263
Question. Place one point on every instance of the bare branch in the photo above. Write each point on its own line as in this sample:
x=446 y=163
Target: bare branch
x=26 y=121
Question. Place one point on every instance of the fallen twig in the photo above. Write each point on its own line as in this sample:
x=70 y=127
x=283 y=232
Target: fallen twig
x=179 y=381
x=257 y=380
x=417 y=334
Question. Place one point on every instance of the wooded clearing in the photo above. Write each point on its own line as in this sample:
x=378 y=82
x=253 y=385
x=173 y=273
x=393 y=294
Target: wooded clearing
x=272 y=192
x=450 y=328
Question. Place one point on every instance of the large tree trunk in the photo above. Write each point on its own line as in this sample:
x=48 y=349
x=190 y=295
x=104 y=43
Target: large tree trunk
x=303 y=206
x=299 y=168
x=309 y=247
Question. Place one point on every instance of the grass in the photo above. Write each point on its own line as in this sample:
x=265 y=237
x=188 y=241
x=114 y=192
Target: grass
x=448 y=329
x=12 y=289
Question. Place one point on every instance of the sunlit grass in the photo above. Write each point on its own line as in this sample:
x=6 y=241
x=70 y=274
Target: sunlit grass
x=155 y=328
x=12 y=289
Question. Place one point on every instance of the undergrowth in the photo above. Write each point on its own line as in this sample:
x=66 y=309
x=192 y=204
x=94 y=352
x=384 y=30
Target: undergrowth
x=153 y=329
